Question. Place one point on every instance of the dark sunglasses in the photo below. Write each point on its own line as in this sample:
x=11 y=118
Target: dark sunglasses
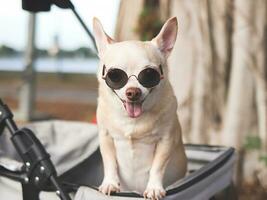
x=117 y=78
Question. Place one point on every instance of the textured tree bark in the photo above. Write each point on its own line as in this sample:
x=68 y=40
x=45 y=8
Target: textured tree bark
x=202 y=82
x=127 y=19
x=259 y=65
x=240 y=98
x=259 y=58
x=200 y=64
x=182 y=61
x=164 y=9
x=220 y=27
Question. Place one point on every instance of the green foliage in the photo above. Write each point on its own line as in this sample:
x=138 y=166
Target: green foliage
x=252 y=143
x=149 y=23
x=41 y=53
x=7 y=51
x=86 y=52
x=263 y=158
x=80 y=52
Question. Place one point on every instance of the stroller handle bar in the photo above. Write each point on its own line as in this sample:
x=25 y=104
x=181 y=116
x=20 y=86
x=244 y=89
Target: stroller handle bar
x=40 y=171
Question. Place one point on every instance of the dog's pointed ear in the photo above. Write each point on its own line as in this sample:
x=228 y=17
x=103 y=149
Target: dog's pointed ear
x=166 y=38
x=101 y=38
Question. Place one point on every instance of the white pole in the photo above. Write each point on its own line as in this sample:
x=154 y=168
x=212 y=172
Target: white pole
x=27 y=90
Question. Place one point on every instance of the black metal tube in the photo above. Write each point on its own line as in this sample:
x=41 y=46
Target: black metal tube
x=12 y=127
x=85 y=27
x=16 y=176
x=6 y=118
x=62 y=194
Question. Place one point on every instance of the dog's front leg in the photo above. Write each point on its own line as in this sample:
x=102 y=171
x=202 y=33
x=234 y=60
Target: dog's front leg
x=111 y=180
x=154 y=189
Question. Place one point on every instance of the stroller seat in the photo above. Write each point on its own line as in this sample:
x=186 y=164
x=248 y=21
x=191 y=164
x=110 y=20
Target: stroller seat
x=74 y=150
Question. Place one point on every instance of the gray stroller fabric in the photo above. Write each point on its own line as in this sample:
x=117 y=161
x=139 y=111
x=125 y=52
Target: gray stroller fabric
x=202 y=190
x=68 y=143
x=85 y=193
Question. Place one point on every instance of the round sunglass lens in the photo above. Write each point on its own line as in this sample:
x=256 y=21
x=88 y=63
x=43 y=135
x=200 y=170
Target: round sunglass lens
x=116 y=78
x=149 y=77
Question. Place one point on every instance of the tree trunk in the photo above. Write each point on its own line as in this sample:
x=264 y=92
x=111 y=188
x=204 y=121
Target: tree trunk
x=182 y=61
x=200 y=63
x=202 y=81
x=129 y=12
x=258 y=52
x=220 y=26
x=164 y=9
x=240 y=98
x=260 y=67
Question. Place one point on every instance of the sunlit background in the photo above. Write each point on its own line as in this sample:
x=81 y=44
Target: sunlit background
x=218 y=69
x=58 y=22
x=66 y=59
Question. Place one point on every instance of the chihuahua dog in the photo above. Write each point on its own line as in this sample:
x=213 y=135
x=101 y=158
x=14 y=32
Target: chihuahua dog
x=139 y=131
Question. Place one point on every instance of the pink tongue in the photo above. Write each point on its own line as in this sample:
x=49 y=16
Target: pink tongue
x=133 y=109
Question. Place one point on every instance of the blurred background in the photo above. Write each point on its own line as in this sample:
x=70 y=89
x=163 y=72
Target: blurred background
x=218 y=69
x=48 y=62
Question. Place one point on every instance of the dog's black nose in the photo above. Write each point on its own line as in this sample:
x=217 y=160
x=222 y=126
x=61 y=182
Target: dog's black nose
x=133 y=94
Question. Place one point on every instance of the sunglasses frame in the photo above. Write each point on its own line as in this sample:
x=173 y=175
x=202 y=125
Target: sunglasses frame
x=128 y=77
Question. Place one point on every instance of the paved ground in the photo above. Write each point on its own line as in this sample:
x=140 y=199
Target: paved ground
x=70 y=98
x=54 y=94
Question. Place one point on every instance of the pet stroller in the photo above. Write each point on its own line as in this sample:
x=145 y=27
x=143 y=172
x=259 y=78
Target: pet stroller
x=75 y=169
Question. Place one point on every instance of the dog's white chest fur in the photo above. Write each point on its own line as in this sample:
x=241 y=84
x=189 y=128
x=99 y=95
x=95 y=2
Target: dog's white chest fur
x=134 y=160
x=135 y=150
x=135 y=145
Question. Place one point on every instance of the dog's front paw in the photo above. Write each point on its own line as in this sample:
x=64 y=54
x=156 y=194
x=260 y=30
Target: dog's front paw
x=154 y=192
x=109 y=186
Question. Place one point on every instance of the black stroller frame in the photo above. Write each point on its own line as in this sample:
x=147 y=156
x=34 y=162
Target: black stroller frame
x=38 y=172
